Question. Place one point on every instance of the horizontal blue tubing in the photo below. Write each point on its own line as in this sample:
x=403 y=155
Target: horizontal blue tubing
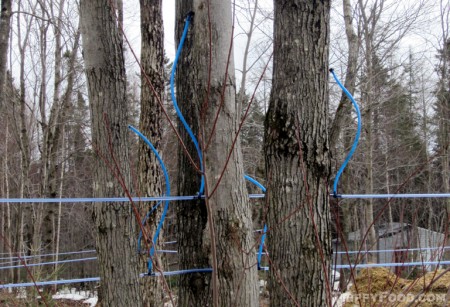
x=395 y=250
x=50 y=282
x=380 y=265
x=180 y=272
x=47 y=263
x=370 y=196
x=192 y=197
x=386 y=265
x=96 y=279
x=209 y=270
x=107 y=199
x=159 y=251
x=165 y=251
x=46 y=255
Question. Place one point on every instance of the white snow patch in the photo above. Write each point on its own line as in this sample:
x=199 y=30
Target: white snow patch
x=69 y=296
x=74 y=295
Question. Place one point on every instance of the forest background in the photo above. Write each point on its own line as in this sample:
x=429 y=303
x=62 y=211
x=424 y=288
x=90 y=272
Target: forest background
x=394 y=55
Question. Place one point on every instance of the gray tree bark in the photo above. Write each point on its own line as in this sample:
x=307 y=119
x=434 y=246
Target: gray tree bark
x=152 y=60
x=25 y=212
x=5 y=29
x=115 y=224
x=341 y=119
x=297 y=156
x=444 y=108
x=221 y=227
x=52 y=130
x=368 y=118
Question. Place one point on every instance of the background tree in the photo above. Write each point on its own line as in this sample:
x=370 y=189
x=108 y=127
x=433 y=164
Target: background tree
x=114 y=222
x=152 y=60
x=297 y=156
x=443 y=106
x=373 y=65
x=342 y=118
x=5 y=29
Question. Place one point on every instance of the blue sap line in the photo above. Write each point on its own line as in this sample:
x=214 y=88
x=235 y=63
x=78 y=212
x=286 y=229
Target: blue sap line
x=387 y=265
x=175 y=104
x=143 y=224
x=420 y=249
x=107 y=199
x=47 y=263
x=96 y=279
x=370 y=196
x=263 y=237
x=46 y=255
x=209 y=270
x=166 y=202
x=357 y=136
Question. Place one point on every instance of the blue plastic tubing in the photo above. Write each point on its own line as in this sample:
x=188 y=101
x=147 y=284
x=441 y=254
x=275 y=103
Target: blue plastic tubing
x=189 y=131
x=263 y=237
x=105 y=199
x=209 y=270
x=175 y=104
x=357 y=136
x=166 y=203
x=143 y=223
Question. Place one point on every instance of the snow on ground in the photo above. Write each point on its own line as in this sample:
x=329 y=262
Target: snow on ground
x=73 y=295
x=91 y=299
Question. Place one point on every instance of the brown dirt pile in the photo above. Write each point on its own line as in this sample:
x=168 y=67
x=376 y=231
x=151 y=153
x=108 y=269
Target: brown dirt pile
x=376 y=280
x=381 y=287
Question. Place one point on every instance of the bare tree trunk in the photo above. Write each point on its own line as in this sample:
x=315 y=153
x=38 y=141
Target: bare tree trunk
x=193 y=250
x=241 y=94
x=206 y=91
x=152 y=60
x=52 y=121
x=444 y=108
x=297 y=156
x=368 y=120
x=5 y=29
x=8 y=215
x=369 y=227
x=26 y=216
x=342 y=117
x=115 y=224
x=58 y=216
x=345 y=106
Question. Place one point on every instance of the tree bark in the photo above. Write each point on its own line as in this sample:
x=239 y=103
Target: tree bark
x=26 y=216
x=228 y=235
x=341 y=119
x=297 y=156
x=368 y=29
x=116 y=227
x=5 y=29
x=152 y=60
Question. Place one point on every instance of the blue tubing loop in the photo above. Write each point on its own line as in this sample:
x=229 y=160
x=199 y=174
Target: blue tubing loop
x=263 y=237
x=357 y=136
x=175 y=104
x=166 y=203
x=143 y=224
